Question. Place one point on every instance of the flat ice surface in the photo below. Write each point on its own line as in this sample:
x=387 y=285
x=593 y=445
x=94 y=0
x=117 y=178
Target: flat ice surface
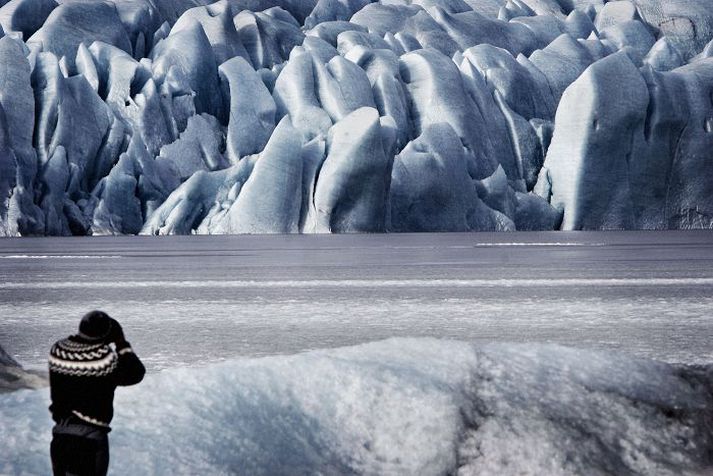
x=195 y=300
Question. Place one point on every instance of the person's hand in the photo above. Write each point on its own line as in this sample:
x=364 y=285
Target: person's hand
x=116 y=333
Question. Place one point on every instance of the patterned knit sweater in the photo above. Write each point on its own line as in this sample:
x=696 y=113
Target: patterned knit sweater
x=84 y=375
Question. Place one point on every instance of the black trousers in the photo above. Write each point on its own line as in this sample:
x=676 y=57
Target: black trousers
x=79 y=450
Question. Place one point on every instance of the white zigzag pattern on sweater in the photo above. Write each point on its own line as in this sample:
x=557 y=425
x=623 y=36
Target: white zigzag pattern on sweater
x=96 y=368
x=78 y=355
x=78 y=346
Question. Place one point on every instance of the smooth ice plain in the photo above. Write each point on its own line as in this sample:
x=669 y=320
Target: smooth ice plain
x=203 y=299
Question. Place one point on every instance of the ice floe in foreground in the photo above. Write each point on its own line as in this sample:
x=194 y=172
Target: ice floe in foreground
x=401 y=406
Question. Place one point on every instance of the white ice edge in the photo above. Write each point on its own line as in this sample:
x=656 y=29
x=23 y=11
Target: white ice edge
x=368 y=283
x=473 y=245
x=58 y=257
x=537 y=244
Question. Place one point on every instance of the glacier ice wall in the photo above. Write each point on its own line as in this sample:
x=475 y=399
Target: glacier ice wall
x=402 y=406
x=333 y=116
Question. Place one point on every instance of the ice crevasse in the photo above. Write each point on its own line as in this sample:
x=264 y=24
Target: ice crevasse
x=341 y=116
x=401 y=406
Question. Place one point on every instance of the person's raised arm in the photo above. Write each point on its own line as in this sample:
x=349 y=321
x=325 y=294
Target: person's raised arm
x=129 y=369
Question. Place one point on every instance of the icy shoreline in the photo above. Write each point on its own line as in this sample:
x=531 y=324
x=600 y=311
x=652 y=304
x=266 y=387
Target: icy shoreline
x=400 y=406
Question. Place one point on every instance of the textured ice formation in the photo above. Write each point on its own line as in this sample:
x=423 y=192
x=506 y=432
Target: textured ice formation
x=185 y=62
x=76 y=22
x=6 y=359
x=271 y=199
x=14 y=377
x=252 y=109
x=109 y=108
x=400 y=406
x=200 y=202
x=623 y=152
x=20 y=214
x=595 y=193
x=216 y=21
x=25 y=16
x=350 y=195
x=430 y=187
x=198 y=148
x=295 y=95
x=687 y=23
x=268 y=36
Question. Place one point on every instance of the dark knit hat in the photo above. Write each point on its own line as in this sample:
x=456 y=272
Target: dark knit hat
x=95 y=325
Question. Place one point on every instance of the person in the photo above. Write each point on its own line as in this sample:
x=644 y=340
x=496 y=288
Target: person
x=84 y=371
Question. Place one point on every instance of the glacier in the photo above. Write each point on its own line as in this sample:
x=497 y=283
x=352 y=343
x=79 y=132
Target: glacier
x=132 y=117
x=400 y=406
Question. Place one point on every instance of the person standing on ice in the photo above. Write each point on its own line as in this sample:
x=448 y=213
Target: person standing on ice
x=85 y=369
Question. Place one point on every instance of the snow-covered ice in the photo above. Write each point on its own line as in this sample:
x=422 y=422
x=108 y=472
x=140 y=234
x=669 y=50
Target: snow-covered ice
x=401 y=406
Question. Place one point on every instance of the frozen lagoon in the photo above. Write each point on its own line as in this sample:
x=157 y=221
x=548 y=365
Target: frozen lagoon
x=195 y=300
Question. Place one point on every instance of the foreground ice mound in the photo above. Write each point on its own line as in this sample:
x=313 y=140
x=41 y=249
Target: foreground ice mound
x=598 y=114
x=402 y=406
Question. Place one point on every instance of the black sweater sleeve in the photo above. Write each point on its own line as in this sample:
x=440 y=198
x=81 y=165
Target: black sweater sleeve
x=129 y=369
